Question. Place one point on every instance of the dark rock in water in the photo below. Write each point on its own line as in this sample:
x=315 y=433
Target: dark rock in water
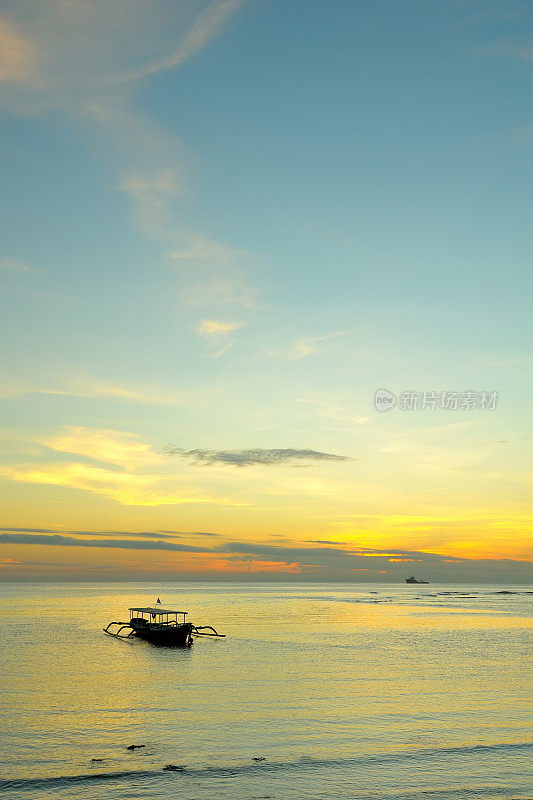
x=135 y=746
x=173 y=768
x=260 y=758
x=96 y=759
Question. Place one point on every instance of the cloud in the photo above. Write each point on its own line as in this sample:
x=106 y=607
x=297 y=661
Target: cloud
x=93 y=389
x=94 y=48
x=213 y=327
x=245 y=458
x=126 y=488
x=58 y=540
x=18 y=56
x=208 y=23
x=301 y=348
x=523 y=134
x=190 y=533
x=139 y=534
x=12 y=265
x=219 y=290
x=139 y=395
x=512 y=48
x=216 y=273
x=55 y=568
x=305 y=347
x=84 y=61
x=322 y=541
x=341 y=411
x=495 y=14
x=346 y=562
x=153 y=190
x=124 y=469
x=118 y=485
x=217 y=334
x=338 y=563
x=28 y=530
x=142 y=534
x=116 y=447
x=203 y=249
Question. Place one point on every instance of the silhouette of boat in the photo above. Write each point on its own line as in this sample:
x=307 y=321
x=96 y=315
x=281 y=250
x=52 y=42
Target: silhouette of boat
x=412 y=579
x=159 y=626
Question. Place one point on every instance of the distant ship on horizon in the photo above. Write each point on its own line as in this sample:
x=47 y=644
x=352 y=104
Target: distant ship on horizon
x=412 y=579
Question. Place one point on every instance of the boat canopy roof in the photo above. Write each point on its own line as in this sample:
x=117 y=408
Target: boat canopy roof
x=157 y=610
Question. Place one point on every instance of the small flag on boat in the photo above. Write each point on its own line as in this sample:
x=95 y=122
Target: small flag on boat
x=158 y=601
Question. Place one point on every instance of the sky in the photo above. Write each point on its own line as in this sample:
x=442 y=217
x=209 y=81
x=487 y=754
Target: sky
x=226 y=226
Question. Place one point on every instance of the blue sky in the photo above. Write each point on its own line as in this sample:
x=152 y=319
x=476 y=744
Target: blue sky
x=227 y=224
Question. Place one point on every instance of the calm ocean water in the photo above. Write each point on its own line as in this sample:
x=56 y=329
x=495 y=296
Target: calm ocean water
x=360 y=691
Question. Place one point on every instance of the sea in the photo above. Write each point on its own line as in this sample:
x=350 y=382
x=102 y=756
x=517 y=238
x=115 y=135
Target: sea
x=360 y=691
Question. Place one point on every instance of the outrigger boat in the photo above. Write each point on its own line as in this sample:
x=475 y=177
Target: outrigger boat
x=160 y=626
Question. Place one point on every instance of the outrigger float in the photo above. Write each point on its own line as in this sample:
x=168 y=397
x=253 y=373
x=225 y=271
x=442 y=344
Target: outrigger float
x=160 y=626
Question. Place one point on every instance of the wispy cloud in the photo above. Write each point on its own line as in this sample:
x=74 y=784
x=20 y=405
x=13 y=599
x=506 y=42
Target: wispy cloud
x=201 y=248
x=190 y=533
x=305 y=347
x=495 y=13
x=153 y=190
x=84 y=61
x=113 y=464
x=336 y=563
x=94 y=48
x=213 y=327
x=301 y=348
x=93 y=389
x=12 y=265
x=58 y=540
x=207 y=25
x=28 y=530
x=518 y=49
x=115 y=447
x=18 y=56
x=215 y=273
x=341 y=412
x=523 y=134
x=114 y=533
x=126 y=488
x=330 y=562
x=246 y=458
x=217 y=334
x=219 y=290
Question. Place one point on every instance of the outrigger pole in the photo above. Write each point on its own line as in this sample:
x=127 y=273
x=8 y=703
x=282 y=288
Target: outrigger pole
x=118 y=635
x=196 y=630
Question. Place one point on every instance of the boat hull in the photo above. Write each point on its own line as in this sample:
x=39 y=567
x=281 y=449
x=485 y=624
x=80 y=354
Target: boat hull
x=168 y=635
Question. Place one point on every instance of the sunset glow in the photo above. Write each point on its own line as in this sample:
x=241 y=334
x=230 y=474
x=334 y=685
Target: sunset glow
x=211 y=266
